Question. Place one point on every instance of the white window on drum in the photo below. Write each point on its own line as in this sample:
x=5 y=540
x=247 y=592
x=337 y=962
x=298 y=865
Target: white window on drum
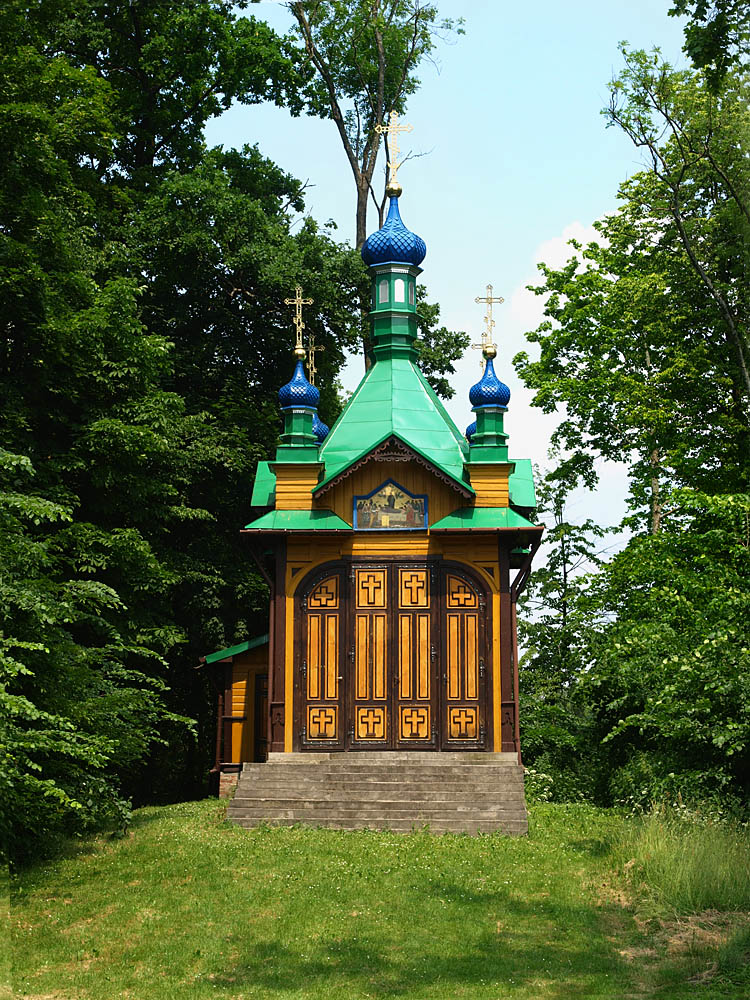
x=399 y=290
x=383 y=290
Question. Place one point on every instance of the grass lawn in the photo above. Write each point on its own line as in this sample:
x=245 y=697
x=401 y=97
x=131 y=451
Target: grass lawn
x=187 y=906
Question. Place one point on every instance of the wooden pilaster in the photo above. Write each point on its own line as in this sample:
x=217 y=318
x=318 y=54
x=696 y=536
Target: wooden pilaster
x=508 y=702
x=277 y=653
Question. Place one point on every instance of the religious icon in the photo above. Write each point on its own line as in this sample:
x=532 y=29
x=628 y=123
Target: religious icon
x=390 y=508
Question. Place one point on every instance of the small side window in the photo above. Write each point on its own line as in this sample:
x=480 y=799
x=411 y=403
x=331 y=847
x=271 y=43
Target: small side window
x=411 y=293
x=383 y=290
x=399 y=291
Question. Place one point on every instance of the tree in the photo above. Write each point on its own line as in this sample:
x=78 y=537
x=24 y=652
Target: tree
x=645 y=336
x=556 y=724
x=142 y=280
x=363 y=56
x=667 y=655
x=716 y=35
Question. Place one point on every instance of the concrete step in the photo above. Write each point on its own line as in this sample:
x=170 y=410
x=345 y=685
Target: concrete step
x=410 y=757
x=455 y=792
x=453 y=775
x=386 y=794
x=376 y=783
x=516 y=827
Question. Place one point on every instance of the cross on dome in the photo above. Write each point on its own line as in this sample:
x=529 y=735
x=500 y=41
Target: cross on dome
x=299 y=324
x=393 y=128
x=488 y=347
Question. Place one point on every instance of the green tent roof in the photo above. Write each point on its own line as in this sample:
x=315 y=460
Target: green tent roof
x=394 y=398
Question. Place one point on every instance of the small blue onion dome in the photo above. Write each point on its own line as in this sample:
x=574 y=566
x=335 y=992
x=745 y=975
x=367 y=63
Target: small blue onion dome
x=298 y=391
x=471 y=430
x=320 y=430
x=394 y=242
x=489 y=390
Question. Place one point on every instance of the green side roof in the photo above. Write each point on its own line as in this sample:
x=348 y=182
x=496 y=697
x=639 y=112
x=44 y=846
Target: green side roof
x=243 y=647
x=299 y=520
x=521 y=484
x=394 y=398
x=482 y=519
x=264 y=488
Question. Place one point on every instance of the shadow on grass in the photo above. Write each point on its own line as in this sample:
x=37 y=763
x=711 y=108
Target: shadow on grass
x=560 y=951
x=593 y=847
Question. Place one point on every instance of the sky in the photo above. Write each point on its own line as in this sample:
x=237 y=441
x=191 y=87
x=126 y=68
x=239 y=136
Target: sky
x=515 y=160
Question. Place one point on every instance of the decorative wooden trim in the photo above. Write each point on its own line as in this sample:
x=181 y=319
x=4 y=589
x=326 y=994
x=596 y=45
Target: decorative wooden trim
x=277 y=686
x=394 y=450
x=507 y=701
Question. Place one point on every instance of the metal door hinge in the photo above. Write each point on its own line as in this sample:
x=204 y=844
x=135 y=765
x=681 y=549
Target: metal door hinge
x=481 y=668
x=482 y=737
x=303 y=669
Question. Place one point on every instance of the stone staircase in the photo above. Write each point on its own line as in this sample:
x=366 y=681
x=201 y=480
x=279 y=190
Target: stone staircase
x=448 y=792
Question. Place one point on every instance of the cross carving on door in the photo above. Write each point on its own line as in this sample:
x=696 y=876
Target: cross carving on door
x=414 y=588
x=370 y=589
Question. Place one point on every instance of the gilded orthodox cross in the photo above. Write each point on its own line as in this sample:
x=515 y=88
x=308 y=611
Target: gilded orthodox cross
x=393 y=128
x=299 y=324
x=488 y=347
x=312 y=347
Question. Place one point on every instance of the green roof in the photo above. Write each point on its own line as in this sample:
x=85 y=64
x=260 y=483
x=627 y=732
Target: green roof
x=299 y=520
x=394 y=398
x=243 y=647
x=482 y=519
x=521 y=484
x=264 y=488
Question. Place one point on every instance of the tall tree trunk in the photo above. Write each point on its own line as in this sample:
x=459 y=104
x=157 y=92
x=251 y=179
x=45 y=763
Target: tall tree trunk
x=363 y=191
x=656 y=509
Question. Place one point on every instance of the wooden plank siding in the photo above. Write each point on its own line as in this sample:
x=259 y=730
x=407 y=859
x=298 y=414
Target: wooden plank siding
x=491 y=484
x=241 y=703
x=294 y=485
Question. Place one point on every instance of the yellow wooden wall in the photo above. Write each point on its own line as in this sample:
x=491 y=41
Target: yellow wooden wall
x=245 y=666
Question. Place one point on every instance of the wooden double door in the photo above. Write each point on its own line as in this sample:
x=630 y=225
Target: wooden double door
x=391 y=656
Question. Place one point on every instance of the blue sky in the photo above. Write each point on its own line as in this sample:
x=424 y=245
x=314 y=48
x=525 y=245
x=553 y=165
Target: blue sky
x=516 y=161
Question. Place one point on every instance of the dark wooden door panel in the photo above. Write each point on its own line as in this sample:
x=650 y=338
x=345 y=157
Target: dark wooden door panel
x=323 y=722
x=464 y=695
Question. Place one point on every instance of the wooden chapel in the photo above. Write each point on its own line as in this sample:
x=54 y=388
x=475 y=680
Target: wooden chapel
x=395 y=548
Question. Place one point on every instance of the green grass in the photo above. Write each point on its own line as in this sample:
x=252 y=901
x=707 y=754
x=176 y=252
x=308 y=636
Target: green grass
x=187 y=906
x=687 y=865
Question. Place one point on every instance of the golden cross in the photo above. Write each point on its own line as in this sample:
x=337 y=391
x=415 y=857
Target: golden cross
x=312 y=347
x=393 y=128
x=299 y=325
x=487 y=341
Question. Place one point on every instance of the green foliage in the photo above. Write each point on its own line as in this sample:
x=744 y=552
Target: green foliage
x=142 y=278
x=76 y=708
x=644 y=345
x=557 y=726
x=669 y=654
x=716 y=35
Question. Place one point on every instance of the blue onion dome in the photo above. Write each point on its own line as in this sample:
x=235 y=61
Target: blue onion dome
x=471 y=430
x=394 y=242
x=489 y=390
x=298 y=391
x=320 y=430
